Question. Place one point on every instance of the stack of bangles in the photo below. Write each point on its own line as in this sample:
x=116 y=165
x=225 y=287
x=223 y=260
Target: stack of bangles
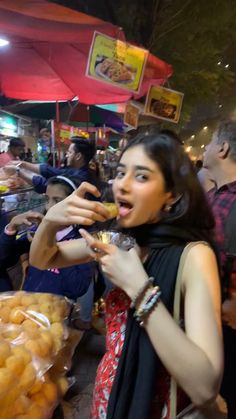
x=146 y=305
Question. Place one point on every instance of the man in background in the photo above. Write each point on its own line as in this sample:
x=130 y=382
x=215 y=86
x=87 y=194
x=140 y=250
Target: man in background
x=15 y=149
x=80 y=152
x=220 y=160
x=205 y=178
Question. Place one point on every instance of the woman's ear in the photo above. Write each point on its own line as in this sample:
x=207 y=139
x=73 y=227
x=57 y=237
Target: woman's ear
x=176 y=199
x=171 y=201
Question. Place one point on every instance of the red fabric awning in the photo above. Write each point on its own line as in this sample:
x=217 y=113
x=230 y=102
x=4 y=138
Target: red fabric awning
x=47 y=55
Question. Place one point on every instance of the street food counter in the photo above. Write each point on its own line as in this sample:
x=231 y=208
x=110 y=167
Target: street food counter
x=19 y=200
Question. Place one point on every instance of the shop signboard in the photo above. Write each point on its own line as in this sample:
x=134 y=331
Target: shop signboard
x=164 y=103
x=131 y=115
x=116 y=62
x=64 y=133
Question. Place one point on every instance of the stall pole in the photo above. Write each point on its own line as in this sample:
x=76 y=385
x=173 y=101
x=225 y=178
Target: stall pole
x=57 y=137
x=88 y=118
x=53 y=142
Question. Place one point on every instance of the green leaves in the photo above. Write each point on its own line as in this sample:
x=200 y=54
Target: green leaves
x=192 y=36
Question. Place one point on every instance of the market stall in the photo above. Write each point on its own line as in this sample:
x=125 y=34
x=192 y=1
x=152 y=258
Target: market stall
x=46 y=56
x=20 y=200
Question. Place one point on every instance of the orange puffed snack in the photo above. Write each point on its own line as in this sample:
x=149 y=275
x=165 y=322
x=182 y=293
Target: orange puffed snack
x=112 y=208
x=33 y=337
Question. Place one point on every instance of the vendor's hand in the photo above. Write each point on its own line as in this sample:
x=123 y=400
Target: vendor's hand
x=124 y=268
x=15 y=162
x=10 y=169
x=229 y=313
x=75 y=209
x=28 y=218
x=3 y=175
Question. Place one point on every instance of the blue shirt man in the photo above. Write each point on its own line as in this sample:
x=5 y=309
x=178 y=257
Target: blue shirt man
x=80 y=152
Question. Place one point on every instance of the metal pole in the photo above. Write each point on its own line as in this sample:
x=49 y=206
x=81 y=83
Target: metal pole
x=58 y=139
x=53 y=142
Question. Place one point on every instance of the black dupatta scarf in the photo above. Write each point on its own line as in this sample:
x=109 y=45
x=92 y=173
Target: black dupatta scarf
x=137 y=372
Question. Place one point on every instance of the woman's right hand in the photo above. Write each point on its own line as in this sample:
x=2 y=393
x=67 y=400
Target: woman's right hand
x=75 y=209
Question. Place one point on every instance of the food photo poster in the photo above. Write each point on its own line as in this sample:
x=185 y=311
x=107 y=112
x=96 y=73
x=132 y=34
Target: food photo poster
x=131 y=115
x=116 y=62
x=164 y=103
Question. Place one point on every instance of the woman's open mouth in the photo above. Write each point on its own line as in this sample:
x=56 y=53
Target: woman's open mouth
x=124 y=208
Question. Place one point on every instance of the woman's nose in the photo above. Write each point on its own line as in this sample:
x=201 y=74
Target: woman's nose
x=124 y=183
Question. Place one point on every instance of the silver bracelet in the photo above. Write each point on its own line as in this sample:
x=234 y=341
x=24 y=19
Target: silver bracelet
x=142 y=290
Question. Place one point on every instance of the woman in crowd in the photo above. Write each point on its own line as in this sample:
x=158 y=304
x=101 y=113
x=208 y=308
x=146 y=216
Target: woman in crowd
x=71 y=282
x=160 y=203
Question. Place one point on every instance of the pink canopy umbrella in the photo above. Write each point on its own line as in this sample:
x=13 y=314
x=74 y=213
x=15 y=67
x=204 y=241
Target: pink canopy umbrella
x=47 y=55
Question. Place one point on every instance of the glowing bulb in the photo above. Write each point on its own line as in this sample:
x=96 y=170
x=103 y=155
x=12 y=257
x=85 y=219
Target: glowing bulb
x=202 y=146
x=3 y=42
x=205 y=128
x=188 y=149
x=227 y=66
x=219 y=63
x=193 y=136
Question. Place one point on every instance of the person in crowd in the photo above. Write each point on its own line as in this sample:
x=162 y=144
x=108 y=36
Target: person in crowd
x=5 y=281
x=64 y=162
x=11 y=249
x=29 y=155
x=3 y=218
x=71 y=282
x=162 y=205
x=80 y=152
x=205 y=178
x=101 y=285
x=94 y=166
x=198 y=165
x=15 y=149
x=220 y=161
x=50 y=159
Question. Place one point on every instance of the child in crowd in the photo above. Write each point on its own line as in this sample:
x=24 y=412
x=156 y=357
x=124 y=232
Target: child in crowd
x=71 y=282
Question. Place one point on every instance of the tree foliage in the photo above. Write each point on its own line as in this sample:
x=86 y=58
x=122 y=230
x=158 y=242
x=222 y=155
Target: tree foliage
x=192 y=35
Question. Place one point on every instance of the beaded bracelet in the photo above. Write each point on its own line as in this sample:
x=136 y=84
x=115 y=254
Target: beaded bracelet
x=141 y=292
x=147 y=307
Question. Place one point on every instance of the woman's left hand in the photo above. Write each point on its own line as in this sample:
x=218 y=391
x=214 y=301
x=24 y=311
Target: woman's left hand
x=124 y=268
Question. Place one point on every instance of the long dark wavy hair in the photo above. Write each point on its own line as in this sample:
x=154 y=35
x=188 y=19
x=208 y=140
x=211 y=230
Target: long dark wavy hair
x=191 y=209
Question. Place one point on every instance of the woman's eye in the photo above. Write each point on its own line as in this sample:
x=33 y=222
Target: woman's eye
x=141 y=177
x=119 y=174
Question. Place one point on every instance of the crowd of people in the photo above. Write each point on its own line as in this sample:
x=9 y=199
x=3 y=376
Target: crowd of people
x=184 y=240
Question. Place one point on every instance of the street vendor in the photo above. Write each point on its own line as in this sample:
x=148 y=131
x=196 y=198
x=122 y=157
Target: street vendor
x=80 y=152
x=16 y=147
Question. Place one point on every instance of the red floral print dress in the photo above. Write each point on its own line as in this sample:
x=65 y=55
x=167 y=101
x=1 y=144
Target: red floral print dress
x=117 y=305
